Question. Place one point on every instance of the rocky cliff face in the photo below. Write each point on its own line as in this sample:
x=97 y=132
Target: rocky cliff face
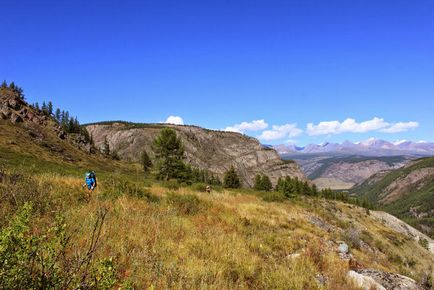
x=214 y=151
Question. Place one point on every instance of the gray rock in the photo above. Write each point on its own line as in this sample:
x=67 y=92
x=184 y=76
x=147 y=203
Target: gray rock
x=391 y=280
x=343 y=248
x=364 y=282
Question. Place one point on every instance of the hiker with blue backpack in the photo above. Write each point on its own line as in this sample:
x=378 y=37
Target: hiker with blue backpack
x=90 y=181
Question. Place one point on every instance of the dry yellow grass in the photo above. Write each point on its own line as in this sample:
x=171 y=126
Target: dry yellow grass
x=230 y=240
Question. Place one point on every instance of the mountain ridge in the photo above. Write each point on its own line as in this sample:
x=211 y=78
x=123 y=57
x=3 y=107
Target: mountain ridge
x=215 y=151
x=369 y=147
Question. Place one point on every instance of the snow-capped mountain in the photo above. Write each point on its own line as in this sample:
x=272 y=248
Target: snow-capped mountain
x=370 y=147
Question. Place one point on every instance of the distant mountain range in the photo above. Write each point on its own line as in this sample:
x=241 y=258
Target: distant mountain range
x=370 y=147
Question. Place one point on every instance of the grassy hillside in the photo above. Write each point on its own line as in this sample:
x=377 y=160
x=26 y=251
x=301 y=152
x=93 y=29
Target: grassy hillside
x=420 y=196
x=156 y=235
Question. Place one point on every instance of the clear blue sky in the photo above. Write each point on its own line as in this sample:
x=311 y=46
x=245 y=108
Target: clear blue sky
x=220 y=63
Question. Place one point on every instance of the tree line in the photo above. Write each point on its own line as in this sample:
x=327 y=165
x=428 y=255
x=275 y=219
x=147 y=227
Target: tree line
x=13 y=87
x=68 y=123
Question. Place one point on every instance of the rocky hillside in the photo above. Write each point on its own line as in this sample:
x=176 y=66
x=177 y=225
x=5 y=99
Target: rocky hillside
x=214 y=151
x=40 y=127
x=344 y=171
x=407 y=193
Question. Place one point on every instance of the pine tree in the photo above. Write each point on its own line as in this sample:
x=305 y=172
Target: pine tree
x=257 y=182
x=266 y=183
x=37 y=106
x=50 y=108
x=44 y=107
x=231 y=179
x=71 y=125
x=4 y=84
x=58 y=115
x=169 y=154
x=146 y=161
x=105 y=149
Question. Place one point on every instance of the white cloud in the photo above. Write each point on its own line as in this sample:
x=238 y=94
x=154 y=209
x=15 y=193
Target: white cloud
x=255 y=125
x=400 y=127
x=280 y=132
x=352 y=126
x=348 y=125
x=176 y=120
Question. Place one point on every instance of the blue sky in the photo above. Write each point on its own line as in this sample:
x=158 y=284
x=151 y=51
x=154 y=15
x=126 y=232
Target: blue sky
x=284 y=71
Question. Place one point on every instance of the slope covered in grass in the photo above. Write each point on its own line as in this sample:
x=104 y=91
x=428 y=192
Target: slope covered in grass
x=407 y=193
x=159 y=235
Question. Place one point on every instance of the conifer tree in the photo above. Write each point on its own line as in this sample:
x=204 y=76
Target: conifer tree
x=58 y=115
x=266 y=183
x=44 y=107
x=146 y=161
x=231 y=179
x=169 y=153
x=50 y=108
x=257 y=182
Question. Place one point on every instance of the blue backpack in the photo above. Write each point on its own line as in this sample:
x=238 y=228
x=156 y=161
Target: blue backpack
x=91 y=179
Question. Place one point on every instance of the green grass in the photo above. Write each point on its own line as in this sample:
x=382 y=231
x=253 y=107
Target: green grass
x=422 y=198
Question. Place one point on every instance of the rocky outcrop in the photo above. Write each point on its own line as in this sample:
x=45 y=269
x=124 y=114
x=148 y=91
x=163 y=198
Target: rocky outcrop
x=214 y=151
x=15 y=109
x=402 y=227
x=375 y=279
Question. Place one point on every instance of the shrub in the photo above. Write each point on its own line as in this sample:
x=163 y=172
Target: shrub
x=273 y=196
x=188 y=204
x=40 y=261
x=199 y=187
x=171 y=184
x=424 y=243
x=352 y=237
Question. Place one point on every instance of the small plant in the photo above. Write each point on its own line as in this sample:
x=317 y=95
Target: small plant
x=424 y=243
x=352 y=237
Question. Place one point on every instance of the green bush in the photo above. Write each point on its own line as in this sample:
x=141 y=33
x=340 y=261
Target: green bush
x=199 y=187
x=424 y=243
x=40 y=261
x=273 y=196
x=171 y=184
x=187 y=204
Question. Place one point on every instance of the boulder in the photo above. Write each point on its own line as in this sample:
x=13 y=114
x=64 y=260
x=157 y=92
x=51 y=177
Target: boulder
x=16 y=118
x=13 y=103
x=391 y=280
x=364 y=282
x=343 y=248
x=61 y=134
